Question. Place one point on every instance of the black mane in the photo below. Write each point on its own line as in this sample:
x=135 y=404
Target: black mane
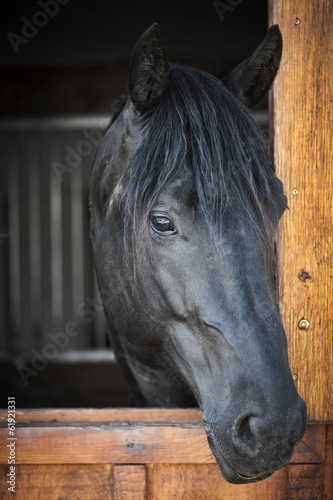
x=199 y=118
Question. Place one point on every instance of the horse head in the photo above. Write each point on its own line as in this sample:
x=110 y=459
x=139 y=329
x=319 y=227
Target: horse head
x=185 y=208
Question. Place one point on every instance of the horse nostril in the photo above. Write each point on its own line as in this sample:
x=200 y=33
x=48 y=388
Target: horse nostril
x=253 y=434
x=243 y=437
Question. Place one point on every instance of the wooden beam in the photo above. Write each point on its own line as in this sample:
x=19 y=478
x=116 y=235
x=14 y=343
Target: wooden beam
x=302 y=123
x=105 y=415
x=125 y=436
x=102 y=444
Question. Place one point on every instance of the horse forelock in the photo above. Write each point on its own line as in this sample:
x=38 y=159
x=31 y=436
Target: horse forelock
x=200 y=124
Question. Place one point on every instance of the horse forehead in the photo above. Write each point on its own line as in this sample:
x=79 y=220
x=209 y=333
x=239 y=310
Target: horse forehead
x=180 y=188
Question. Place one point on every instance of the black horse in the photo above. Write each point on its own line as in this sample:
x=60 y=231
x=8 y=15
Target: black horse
x=185 y=207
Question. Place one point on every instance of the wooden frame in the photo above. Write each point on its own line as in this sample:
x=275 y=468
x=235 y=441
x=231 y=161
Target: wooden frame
x=145 y=454
x=163 y=454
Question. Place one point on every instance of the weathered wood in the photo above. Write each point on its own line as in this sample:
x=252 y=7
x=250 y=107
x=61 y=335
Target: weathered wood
x=55 y=482
x=95 y=454
x=306 y=482
x=109 y=444
x=328 y=467
x=105 y=415
x=329 y=443
x=129 y=482
x=302 y=117
x=312 y=447
x=328 y=482
x=203 y=482
x=125 y=436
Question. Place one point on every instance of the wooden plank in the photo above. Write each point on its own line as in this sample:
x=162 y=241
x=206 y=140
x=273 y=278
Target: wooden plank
x=109 y=444
x=328 y=467
x=55 y=482
x=202 y=482
x=312 y=447
x=123 y=443
x=329 y=443
x=302 y=117
x=305 y=482
x=133 y=435
x=328 y=482
x=129 y=482
x=105 y=415
x=178 y=461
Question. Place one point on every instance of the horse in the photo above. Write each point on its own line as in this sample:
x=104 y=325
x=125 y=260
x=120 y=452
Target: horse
x=185 y=205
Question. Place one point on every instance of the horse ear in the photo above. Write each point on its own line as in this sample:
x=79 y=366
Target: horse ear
x=253 y=77
x=148 y=70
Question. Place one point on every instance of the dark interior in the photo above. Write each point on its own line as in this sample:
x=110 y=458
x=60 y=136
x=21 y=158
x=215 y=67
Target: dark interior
x=63 y=68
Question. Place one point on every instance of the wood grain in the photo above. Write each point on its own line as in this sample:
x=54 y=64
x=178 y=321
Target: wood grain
x=203 y=482
x=312 y=448
x=105 y=415
x=128 y=436
x=129 y=482
x=57 y=482
x=302 y=117
x=109 y=444
x=73 y=454
x=306 y=482
x=127 y=441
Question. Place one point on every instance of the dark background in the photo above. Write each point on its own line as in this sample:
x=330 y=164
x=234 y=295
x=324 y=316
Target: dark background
x=76 y=65
x=78 y=62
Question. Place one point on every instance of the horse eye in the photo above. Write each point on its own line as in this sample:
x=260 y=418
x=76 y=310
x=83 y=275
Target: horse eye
x=162 y=224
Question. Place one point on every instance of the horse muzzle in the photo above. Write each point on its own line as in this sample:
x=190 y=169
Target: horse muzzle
x=252 y=448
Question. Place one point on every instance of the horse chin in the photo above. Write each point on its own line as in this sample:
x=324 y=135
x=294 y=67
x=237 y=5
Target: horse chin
x=228 y=472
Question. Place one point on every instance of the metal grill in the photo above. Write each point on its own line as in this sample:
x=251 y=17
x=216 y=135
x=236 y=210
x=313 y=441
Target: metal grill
x=47 y=273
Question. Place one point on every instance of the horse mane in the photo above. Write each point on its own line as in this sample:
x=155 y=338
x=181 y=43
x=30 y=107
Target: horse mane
x=199 y=122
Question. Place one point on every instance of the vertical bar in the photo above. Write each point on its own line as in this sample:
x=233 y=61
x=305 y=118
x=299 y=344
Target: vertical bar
x=34 y=233
x=14 y=237
x=77 y=232
x=86 y=242
x=24 y=335
x=56 y=236
x=67 y=229
x=45 y=235
x=4 y=254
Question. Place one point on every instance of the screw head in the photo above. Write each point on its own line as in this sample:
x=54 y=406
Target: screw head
x=295 y=377
x=295 y=191
x=304 y=275
x=297 y=21
x=303 y=324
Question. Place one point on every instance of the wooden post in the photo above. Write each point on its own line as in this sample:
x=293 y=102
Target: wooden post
x=302 y=125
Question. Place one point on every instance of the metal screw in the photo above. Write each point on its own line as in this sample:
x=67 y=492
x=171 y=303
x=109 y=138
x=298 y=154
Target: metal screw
x=303 y=324
x=297 y=21
x=304 y=275
x=295 y=377
x=295 y=191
